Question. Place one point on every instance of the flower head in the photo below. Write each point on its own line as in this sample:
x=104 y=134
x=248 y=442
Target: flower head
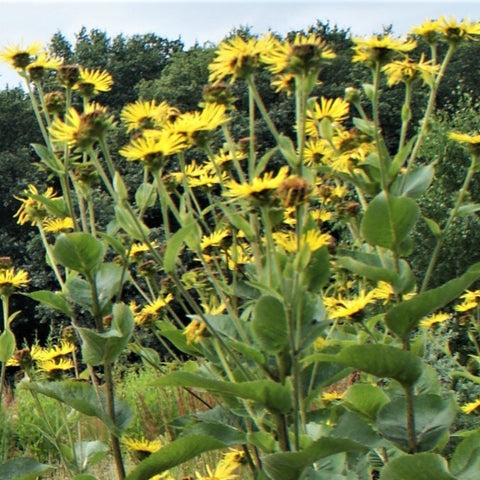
x=41 y=65
x=92 y=82
x=408 y=70
x=19 y=57
x=348 y=307
x=380 y=49
x=470 y=142
x=260 y=189
x=471 y=407
x=57 y=225
x=152 y=311
x=10 y=280
x=236 y=58
x=142 y=115
x=82 y=130
x=33 y=210
x=195 y=331
x=435 y=319
x=456 y=32
x=152 y=149
x=335 y=110
x=304 y=56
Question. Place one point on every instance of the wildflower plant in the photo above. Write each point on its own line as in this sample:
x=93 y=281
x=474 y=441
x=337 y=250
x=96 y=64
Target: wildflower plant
x=310 y=344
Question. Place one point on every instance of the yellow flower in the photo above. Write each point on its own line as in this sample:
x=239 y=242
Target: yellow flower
x=92 y=82
x=147 y=115
x=151 y=150
x=45 y=354
x=434 y=320
x=194 y=125
x=215 y=239
x=138 y=249
x=343 y=308
x=470 y=142
x=321 y=215
x=332 y=396
x=142 y=445
x=225 y=469
x=235 y=58
x=194 y=331
x=305 y=55
x=456 y=32
x=313 y=238
x=260 y=189
x=383 y=291
x=336 y=110
x=380 y=49
x=32 y=209
x=470 y=407
x=151 y=312
x=315 y=148
x=430 y=30
x=284 y=83
x=54 y=365
x=40 y=66
x=470 y=301
x=82 y=130
x=11 y=280
x=19 y=57
x=57 y=225
x=408 y=70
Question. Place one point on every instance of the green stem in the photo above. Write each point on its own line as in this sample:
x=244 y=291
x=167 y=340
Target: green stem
x=453 y=214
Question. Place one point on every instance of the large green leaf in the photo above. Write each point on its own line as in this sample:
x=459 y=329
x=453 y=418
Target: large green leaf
x=269 y=324
x=132 y=225
x=83 y=398
x=271 y=395
x=108 y=280
x=465 y=462
x=104 y=348
x=404 y=317
x=433 y=417
x=388 y=221
x=366 y=399
x=79 y=251
x=23 y=468
x=7 y=345
x=48 y=158
x=175 y=244
x=421 y=466
x=317 y=272
x=173 y=454
x=376 y=359
x=289 y=465
x=54 y=300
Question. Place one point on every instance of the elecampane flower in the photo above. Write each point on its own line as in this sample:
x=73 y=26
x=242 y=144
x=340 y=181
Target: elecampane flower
x=19 y=57
x=92 y=82
x=142 y=115
x=41 y=65
x=336 y=110
x=11 y=280
x=380 y=49
x=456 y=32
x=348 y=307
x=435 y=319
x=33 y=210
x=57 y=225
x=236 y=58
x=152 y=149
x=260 y=188
x=471 y=407
x=305 y=55
x=408 y=70
x=470 y=142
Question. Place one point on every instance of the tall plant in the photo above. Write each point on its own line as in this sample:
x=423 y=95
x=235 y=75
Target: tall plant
x=310 y=344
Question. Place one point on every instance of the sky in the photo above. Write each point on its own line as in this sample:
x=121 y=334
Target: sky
x=199 y=21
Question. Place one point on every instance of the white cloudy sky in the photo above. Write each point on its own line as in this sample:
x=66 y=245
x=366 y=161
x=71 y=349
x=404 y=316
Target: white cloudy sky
x=198 y=20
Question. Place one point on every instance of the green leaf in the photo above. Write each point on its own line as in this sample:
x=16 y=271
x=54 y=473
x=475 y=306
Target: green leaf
x=269 y=324
x=173 y=454
x=383 y=361
x=352 y=426
x=465 y=462
x=79 y=251
x=104 y=348
x=133 y=226
x=226 y=434
x=23 y=468
x=416 y=183
x=263 y=441
x=421 y=466
x=365 y=126
x=54 y=300
x=387 y=222
x=433 y=417
x=317 y=272
x=84 y=476
x=108 y=280
x=48 y=158
x=400 y=158
x=79 y=292
x=7 y=345
x=83 y=398
x=290 y=465
x=468 y=209
x=404 y=317
x=271 y=395
x=145 y=196
x=433 y=227
x=366 y=399
x=90 y=453
x=175 y=245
